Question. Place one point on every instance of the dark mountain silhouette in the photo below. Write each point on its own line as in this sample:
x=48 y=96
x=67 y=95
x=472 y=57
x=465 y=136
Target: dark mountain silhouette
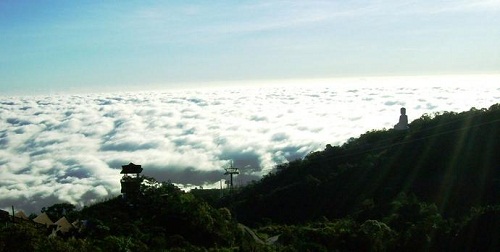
x=450 y=160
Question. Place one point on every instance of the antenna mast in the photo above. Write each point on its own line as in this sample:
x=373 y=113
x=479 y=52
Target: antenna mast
x=231 y=171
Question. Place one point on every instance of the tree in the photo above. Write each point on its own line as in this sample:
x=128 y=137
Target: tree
x=57 y=211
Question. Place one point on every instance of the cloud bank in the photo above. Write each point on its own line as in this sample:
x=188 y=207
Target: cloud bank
x=70 y=148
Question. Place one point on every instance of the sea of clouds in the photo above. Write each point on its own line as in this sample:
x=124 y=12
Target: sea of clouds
x=70 y=148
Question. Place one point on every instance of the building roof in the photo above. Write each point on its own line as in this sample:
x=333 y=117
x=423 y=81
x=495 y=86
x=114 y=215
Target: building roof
x=4 y=215
x=21 y=215
x=63 y=225
x=131 y=168
x=43 y=218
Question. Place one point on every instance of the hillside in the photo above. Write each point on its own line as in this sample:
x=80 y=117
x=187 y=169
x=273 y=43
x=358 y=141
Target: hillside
x=450 y=160
x=434 y=187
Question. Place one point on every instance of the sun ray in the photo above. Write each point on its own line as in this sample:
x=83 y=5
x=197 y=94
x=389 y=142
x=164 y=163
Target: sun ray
x=450 y=178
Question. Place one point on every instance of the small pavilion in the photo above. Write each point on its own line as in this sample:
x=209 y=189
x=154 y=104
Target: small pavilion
x=131 y=184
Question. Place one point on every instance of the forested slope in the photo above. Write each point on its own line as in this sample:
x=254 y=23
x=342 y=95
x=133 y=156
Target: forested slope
x=450 y=160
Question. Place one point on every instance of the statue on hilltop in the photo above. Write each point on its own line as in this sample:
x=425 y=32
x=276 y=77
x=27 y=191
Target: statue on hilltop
x=403 y=121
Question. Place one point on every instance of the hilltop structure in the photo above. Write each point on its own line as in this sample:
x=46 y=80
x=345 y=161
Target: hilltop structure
x=131 y=185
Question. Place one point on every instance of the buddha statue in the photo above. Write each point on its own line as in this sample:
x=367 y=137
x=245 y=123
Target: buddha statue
x=403 y=121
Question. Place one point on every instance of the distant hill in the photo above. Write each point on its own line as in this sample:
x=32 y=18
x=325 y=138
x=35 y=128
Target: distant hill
x=450 y=160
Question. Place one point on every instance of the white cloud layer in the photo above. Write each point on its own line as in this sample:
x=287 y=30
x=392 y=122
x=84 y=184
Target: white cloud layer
x=70 y=148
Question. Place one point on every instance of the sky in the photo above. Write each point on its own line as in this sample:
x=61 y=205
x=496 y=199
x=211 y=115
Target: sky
x=74 y=46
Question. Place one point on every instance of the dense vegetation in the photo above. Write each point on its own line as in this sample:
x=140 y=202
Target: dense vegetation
x=450 y=160
x=434 y=187
x=426 y=187
x=162 y=217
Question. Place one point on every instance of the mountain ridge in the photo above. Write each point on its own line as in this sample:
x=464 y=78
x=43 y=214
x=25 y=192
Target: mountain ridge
x=449 y=160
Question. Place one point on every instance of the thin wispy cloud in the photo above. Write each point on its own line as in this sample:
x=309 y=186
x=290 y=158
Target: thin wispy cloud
x=53 y=48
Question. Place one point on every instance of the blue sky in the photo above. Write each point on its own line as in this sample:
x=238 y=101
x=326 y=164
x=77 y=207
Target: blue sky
x=53 y=46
